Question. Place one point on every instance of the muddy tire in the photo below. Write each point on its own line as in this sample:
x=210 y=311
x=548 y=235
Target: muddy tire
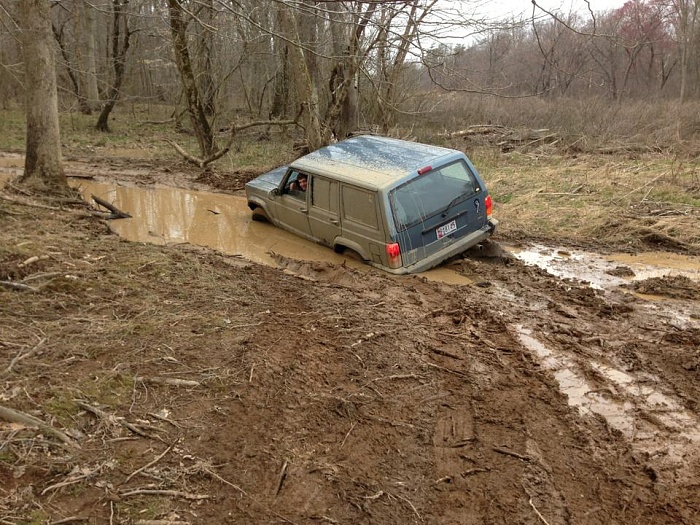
x=352 y=255
x=259 y=215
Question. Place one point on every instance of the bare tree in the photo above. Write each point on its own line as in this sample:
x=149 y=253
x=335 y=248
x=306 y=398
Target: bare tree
x=120 y=39
x=687 y=26
x=196 y=107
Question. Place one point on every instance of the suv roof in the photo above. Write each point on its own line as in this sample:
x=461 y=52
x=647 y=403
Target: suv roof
x=370 y=161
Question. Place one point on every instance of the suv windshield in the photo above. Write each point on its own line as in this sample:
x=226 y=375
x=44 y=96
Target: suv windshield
x=431 y=193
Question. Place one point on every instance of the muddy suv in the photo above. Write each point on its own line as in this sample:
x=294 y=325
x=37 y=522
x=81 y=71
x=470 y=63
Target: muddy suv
x=401 y=206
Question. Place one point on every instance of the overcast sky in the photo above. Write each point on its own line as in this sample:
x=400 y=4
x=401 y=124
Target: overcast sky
x=519 y=7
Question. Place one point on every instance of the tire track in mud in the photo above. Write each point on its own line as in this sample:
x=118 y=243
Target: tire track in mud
x=501 y=430
x=602 y=349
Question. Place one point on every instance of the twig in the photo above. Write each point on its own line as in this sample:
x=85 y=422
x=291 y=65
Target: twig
x=25 y=355
x=70 y=519
x=134 y=473
x=18 y=286
x=398 y=376
x=72 y=480
x=160 y=522
x=163 y=418
x=640 y=187
x=346 y=435
x=448 y=370
x=280 y=478
x=239 y=489
x=538 y=512
x=14 y=416
x=507 y=452
x=110 y=418
x=445 y=353
x=32 y=260
x=167 y=381
x=163 y=492
x=410 y=504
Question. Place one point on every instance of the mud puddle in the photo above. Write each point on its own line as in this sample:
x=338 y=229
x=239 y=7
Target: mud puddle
x=654 y=422
x=605 y=272
x=166 y=215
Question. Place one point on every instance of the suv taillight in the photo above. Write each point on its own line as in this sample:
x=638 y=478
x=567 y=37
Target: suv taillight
x=488 y=203
x=393 y=252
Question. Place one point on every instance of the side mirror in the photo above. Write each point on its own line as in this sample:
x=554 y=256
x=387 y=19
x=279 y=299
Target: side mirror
x=274 y=192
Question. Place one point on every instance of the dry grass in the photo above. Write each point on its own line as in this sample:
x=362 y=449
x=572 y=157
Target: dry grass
x=591 y=124
x=597 y=200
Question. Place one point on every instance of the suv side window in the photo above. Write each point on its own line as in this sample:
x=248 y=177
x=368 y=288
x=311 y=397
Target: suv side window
x=324 y=194
x=292 y=186
x=360 y=206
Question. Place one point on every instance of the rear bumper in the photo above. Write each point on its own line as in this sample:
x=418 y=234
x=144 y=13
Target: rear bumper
x=451 y=250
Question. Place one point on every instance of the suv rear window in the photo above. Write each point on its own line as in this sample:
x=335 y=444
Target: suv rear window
x=433 y=192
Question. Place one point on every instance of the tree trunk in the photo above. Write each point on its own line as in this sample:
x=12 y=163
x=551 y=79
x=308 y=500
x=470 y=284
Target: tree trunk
x=206 y=59
x=43 y=168
x=118 y=58
x=198 y=117
x=90 y=77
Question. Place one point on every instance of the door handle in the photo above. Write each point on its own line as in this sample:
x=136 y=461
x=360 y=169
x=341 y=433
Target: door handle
x=303 y=209
x=334 y=221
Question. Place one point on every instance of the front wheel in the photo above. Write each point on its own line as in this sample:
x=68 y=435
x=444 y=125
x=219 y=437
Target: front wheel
x=260 y=215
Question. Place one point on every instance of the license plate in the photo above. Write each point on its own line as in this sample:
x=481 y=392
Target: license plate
x=446 y=229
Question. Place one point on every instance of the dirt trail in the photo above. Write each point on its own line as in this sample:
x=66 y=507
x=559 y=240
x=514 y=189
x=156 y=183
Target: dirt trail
x=202 y=388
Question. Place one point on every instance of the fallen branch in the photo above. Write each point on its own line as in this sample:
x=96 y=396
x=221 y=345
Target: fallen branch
x=28 y=202
x=116 y=212
x=34 y=204
x=14 y=416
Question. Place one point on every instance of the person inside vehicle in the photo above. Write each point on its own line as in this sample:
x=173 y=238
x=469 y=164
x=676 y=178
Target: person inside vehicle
x=300 y=184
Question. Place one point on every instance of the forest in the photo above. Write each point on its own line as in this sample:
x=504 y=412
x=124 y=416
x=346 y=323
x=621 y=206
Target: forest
x=333 y=68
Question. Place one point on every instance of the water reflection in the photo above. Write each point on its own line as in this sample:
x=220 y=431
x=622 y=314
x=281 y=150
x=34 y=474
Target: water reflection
x=166 y=215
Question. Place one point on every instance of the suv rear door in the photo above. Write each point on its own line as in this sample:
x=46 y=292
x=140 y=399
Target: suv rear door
x=434 y=209
x=324 y=211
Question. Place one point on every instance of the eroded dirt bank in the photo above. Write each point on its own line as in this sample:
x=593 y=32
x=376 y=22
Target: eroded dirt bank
x=202 y=388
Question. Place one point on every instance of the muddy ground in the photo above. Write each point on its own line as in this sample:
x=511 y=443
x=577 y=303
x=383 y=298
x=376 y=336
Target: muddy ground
x=171 y=385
